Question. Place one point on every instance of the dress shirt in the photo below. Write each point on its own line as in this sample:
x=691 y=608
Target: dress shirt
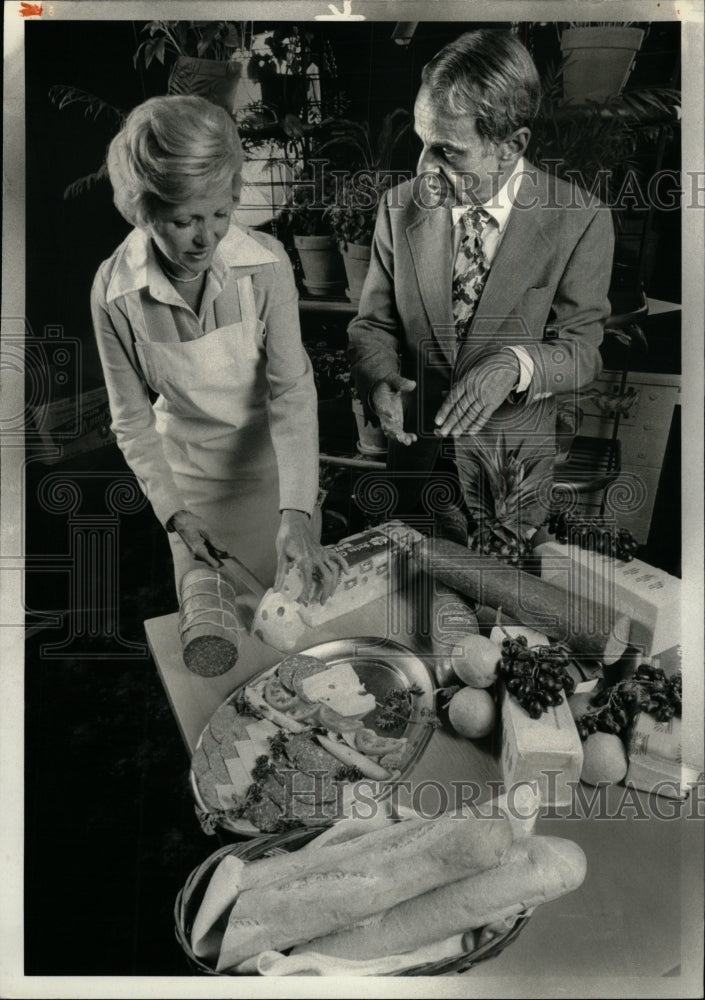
x=499 y=207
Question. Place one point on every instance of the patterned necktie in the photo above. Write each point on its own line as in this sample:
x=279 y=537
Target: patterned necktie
x=470 y=269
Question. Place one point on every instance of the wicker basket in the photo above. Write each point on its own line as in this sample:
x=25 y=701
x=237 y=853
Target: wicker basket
x=190 y=897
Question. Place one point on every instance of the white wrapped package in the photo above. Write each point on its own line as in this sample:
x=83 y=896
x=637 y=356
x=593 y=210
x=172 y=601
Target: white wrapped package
x=373 y=558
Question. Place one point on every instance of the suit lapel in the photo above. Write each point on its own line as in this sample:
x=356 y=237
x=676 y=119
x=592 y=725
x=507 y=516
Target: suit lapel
x=523 y=245
x=431 y=242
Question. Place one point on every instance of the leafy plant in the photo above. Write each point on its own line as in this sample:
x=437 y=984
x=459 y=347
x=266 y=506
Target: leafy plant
x=218 y=40
x=305 y=214
x=600 y=142
x=64 y=96
x=352 y=216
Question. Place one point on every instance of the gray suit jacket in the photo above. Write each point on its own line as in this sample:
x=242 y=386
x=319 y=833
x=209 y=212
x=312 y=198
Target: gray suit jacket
x=546 y=291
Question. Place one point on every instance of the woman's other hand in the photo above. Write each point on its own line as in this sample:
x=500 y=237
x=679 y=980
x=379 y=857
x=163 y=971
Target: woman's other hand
x=197 y=538
x=297 y=546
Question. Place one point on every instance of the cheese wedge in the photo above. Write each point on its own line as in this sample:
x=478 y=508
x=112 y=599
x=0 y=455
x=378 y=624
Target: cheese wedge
x=341 y=689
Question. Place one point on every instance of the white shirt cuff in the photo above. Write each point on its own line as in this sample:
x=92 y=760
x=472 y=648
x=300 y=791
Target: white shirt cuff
x=526 y=368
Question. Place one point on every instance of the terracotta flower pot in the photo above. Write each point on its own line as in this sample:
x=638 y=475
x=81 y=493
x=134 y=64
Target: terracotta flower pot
x=597 y=61
x=322 y=265
x=216 y=81
x=356 y=258
x=371 y=439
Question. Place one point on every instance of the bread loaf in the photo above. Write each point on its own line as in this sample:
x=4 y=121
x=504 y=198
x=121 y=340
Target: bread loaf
x=533 y=871
x=341 y=890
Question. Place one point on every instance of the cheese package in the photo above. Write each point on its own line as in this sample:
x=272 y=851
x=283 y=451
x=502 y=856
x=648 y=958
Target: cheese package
x=373 y=558
x=547 y=750
x=645 y=594
x=656 y=755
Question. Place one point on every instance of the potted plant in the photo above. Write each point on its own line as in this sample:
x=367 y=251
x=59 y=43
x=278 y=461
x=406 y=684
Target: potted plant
x=598 y=58
x=208 y=57
x=353 y=213
x=331 y=372
x=607 y=147
x=305 y=224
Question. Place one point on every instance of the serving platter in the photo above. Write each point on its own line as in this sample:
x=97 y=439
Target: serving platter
x=238 y=735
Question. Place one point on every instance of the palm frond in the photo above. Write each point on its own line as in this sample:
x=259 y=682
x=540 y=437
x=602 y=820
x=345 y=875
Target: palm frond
x=63 y=96
x=85 y=183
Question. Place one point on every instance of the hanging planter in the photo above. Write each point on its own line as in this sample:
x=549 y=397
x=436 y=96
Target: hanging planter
x=216 y=81
x=597 y=60
x=324 y=274
x=356 y=257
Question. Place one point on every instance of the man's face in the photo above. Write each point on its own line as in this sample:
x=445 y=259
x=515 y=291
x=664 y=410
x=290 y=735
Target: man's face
x=453 y=149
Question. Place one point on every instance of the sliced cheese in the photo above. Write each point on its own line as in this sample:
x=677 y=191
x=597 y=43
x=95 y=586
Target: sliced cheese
x=262 y=729
x=341 y=689
x=250 y=750
x=239 y=776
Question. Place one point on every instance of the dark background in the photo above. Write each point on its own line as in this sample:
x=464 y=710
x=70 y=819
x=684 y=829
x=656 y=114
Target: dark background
x=110 y=829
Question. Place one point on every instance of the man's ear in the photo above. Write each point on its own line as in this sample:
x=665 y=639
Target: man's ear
x=515 y=144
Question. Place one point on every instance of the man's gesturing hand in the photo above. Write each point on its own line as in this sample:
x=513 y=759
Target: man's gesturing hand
x=474 y=398
x=386 y=399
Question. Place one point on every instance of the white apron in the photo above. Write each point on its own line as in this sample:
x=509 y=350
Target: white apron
x=212 y=415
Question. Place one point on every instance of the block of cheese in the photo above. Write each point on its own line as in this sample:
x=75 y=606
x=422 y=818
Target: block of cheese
x=341 y=689
x=373 y=558
x=645 y=594
x=547 y=750
x=656 y=759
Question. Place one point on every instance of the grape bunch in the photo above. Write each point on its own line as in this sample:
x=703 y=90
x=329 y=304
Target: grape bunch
x=536 y=676
x=649 y=690
x=593 y=534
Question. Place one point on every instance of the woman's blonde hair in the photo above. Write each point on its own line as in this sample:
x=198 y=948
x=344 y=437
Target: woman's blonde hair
x=171 y=149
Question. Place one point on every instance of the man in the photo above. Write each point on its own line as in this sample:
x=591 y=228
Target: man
x=487 y=288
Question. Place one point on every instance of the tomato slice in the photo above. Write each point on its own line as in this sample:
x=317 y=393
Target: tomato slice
x=330 y=719
x=368 y=742
x=276 y=695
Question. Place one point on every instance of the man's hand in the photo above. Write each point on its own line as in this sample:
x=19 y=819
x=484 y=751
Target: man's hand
x=386 y=399
x=320 y=567
x=472 y=400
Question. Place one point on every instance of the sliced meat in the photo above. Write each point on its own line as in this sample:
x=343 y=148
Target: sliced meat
x=291 y=664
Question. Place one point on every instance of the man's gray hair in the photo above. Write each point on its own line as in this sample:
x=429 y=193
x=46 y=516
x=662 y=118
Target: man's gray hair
x=489 y=75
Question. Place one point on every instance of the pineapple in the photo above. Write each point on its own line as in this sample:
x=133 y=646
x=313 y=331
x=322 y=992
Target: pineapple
x=506 y=492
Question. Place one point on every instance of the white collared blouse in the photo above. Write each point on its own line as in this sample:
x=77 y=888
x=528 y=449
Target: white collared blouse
x=130 y=287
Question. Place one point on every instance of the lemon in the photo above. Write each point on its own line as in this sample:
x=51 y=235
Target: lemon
x=478 y=665
x=604 y=759
x=471 y=712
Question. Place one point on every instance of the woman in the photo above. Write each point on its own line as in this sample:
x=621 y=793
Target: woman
x=203 y=315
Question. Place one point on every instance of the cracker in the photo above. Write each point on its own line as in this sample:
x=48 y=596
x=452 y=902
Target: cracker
x=199 y=762
x=218 y=769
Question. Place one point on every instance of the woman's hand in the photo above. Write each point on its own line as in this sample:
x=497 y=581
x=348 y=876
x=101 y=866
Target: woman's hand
x=197 y=538
x=296 y=546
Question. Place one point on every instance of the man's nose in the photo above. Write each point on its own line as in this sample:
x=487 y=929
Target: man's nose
x=427 y=162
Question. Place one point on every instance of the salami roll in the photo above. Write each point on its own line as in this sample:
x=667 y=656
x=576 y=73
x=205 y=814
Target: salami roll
x=400 y=866
x=533 y=871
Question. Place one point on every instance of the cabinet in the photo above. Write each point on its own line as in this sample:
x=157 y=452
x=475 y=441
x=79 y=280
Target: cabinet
x=644 y=434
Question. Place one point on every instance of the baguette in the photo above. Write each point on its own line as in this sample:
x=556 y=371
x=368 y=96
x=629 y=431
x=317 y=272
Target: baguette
x=400 y=865
x=532 y=872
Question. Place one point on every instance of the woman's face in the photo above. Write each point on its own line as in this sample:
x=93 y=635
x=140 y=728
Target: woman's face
x=188 y=233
